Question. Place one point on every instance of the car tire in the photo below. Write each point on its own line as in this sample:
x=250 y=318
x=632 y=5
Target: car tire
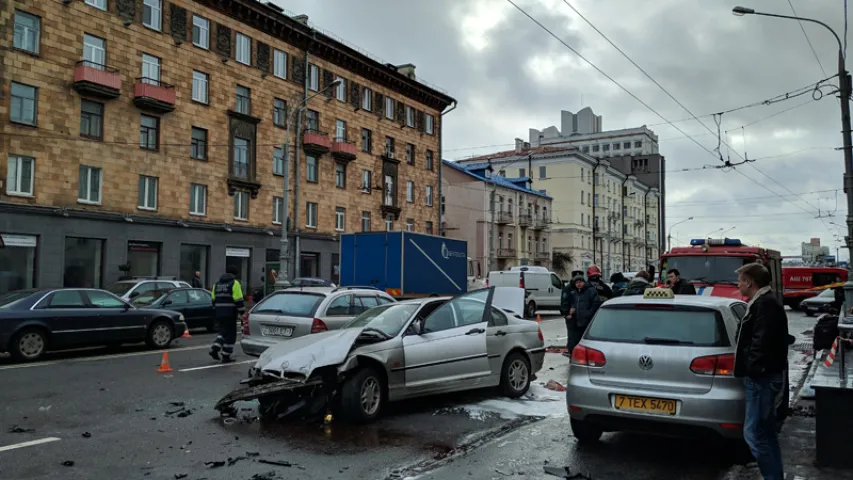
x=362 y=396
x=515 y=375
x=160 y=334
x=808 y=313
x=795 y=304
x=29 y=344
x=530 y=309
x=586 y=432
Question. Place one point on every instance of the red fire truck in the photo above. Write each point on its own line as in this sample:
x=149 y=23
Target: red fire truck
x=710 y=265
x=800 y=282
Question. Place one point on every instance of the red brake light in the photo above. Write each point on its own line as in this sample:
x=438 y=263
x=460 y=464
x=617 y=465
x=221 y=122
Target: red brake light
x=245 y=321
x=318 y=326
x=521 y=281
x=723 y=365
x=588 y=357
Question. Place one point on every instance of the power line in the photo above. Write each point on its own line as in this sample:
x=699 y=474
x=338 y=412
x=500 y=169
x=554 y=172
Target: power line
x=791 y=4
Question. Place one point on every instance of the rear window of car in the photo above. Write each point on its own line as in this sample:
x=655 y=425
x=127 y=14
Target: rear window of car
x=293 y=304
x=656 y=326
x=121 y=288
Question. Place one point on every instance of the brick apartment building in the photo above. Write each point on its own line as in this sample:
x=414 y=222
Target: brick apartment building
x=144 y=137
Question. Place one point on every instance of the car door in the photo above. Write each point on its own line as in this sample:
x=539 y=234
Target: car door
x=117 y=321
x=555 y=290
x=339 y=312
x=70 y=320
x=177 y=301
x=451 y=347
x=201 y=307
x=497 y=340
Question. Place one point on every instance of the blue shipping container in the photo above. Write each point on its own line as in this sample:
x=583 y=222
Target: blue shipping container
x=404 y=263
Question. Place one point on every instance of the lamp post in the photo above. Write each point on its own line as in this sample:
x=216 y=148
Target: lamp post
x=284 y=252
x=669 y=236
x=708 y=235
x=724 y=232
x=844 y=94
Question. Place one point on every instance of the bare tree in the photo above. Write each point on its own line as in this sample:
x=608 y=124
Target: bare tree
x=560 y=262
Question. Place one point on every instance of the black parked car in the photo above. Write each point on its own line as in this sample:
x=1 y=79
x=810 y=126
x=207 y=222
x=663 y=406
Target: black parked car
x=35 y=321
x=822 y=303
x=196 y=304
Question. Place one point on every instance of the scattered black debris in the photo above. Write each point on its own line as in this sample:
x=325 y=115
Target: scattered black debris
x=140 y=410
x=232 y=461
x=179 y=476
x=563 y=472
x=177 y=404
x=253 y=454
x=153 y=418
x=264 y=476
x=68 y=463
x=181 y=412
x=185 y=413
x=215 y=464
x=102 y=389
x=86 y=435
x=280 y=463
x=17 y=429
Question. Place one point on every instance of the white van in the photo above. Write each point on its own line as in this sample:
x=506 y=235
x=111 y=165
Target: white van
x=542 y=288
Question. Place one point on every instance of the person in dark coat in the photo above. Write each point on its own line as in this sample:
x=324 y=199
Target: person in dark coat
x=619 y=284
x=677 y=285
x=651 y=269
x=762 y=361
x=838 y=301
x=578 y=303
x=196 y=280
x=228 y=301
x=593 y=277
x=638 y=285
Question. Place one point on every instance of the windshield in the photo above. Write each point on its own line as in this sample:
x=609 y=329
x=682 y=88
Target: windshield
x=147 y=298
x=389 y=319
x=7 y=299
x=828 y=293
x=120 y=288
x=293 y=304
x=706 y=268
x=657 y=326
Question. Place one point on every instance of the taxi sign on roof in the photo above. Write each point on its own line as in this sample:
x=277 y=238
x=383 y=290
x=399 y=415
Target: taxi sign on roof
x=665 y=293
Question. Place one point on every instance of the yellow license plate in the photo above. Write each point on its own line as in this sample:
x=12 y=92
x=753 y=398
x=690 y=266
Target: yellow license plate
x=644 y=404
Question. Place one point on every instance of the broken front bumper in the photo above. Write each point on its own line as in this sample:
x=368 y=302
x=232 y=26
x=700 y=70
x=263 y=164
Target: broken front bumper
x=270 y=388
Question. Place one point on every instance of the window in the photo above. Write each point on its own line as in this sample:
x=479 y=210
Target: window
x=66 y=299
x=150 y=69
x=241 y=157
x=389 y=147
x=340 y=131
x=429 y=160
x=23 y=105
x=311 y=168
x=366 y=140
x=522 y=172
x=313 y=77
x=585 y=149
x=340 y=306
x=389 y=108
x=91 y=119
x=198 y=199
x=542 y=173
x=606 y=147
x=200 y=82
x=366 y=181
x=340 y=219
x=27 y=32
x=198 y=149
x=201 y=32
x=279 y=64
x=277 y=210
x=428 y=227
x=244 y=100
x=151 y=13
x=389 y=222
x=410 y=154
x=430 y=124
x=410 y=224
x=410 y=116
x=99 y=4
x=243 y=50
x=94 y=51
x=311 y=215
x=616 y=146
x=365 y=221
x=367 y=99
x=313 y=120
x=410 y=191
x=19 y=175
x=582 y=197
x=89 y=185
x=147 y=193
x=341 y=89
x=638 y=144
x=340 y=175
x=596 y=148
x=278 y=161
x=148 y=127
x=241 y=206
x=279 y=112
x=683 y=326
x=83 y=266
x=429 y=195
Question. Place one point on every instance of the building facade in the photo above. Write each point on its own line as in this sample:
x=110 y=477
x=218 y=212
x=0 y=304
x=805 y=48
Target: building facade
x=813 y=253
x=146 y=138
x=521 y=220
x=584 y=131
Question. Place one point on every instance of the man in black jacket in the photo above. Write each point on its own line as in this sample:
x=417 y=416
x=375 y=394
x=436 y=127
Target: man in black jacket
x=578 y=303
x=762 y=359
x=679 y=286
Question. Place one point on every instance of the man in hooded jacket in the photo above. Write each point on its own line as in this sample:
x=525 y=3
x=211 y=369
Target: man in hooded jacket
x=593 y=275
x=638 y=285
x=578 y=303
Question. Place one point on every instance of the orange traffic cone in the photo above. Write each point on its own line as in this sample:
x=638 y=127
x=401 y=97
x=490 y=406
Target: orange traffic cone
x=164 y=364
x=538 y=318
x=187 y=333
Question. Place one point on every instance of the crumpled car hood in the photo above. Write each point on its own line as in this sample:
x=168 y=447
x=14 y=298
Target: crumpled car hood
x=305 y=354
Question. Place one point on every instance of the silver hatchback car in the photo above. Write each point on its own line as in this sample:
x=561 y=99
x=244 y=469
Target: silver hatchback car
x=661 y=364
x=298 y=311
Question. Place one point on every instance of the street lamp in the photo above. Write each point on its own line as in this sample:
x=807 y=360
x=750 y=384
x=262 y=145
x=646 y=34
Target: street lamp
x=844 y=94
x=284 y=252
x=708 y=235
x=669 y=236
x=723 y=234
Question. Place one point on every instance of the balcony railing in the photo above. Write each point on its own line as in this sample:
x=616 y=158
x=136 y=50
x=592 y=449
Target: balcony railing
x=542 y=256
x=503 y=217
x=540 y=222
x=343 y=150
x=506 y=253
x=154 y=95
x=97 y=80
x=315 y=141
x=524 y=220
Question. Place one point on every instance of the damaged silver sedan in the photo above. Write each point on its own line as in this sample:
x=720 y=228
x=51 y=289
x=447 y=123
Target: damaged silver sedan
x=395 y=352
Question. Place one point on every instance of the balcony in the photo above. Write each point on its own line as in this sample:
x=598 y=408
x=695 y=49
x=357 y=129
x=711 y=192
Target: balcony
x=506 y=253
x=540 y=222
x=316 y=142
x=389 y=156
x=154 y=95
x=343 y=151
x=241 y=178
x=524 y=220
x=503 y=218
x=96 y=80
x=542 y=256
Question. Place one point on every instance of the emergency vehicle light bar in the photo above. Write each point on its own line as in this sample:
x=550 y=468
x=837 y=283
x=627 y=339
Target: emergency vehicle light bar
x=732 y=242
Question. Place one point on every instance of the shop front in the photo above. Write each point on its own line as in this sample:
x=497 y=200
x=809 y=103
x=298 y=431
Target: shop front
x=84 y=260
x=241 y=258
x=143 y=258
x=17 y=261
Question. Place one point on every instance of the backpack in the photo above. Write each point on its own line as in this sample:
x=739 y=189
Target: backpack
x=825 y=332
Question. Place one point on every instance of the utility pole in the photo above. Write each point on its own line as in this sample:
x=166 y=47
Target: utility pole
x=492 y=223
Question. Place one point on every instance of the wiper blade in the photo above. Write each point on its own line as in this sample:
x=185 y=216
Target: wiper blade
x=665 y=341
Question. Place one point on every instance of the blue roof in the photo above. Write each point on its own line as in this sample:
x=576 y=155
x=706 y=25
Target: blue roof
x=478 y=171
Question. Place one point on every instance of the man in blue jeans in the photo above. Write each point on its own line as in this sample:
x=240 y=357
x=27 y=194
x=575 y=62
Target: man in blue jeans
x=761 y=360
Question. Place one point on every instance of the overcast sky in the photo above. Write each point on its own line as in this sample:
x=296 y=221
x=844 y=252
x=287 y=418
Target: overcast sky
x=510 y=75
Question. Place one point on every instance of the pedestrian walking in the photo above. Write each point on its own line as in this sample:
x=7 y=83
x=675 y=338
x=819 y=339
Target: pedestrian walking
x=761 y=360
x=578 y=303
x=593 y=276
x=196 y=280
x=638 y=284
x=838 y=292
x=677 y=285
x=228 y=301
x=619 y=284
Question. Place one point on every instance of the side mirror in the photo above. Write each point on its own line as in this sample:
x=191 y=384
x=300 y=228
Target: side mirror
x=126 y=307
x=134 y=294
x=416 y=328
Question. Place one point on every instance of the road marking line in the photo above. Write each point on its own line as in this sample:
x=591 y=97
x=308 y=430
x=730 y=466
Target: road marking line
x=216 y=366
x=103 y=357
x=30 y=443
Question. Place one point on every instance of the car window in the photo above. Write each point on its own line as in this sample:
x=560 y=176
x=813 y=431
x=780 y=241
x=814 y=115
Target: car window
x=178 y=298
x=199 y=297
x=103 y=300
x=184 y=284
x=657 y=326
x=739 y=310
x=556 y=282
x=66 y=299
x=339 y=306
x=164 y=285
x=385 y=300
x=390 y=319
x=498 y=318
x=144 y=287
x=295 y=304
x=828 y=293
x=363 y=303
x=10 y=298
x=146 y=298
x=120 y=288
x=460 y=311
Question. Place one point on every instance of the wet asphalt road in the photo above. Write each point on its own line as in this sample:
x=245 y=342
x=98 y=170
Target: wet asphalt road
x=110 y=413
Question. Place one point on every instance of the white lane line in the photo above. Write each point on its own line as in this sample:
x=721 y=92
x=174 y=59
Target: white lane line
x=216 y=366
x=30 y=443
x=103 y=357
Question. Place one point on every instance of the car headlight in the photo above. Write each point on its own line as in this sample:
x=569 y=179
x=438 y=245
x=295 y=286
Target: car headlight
x=181 y=317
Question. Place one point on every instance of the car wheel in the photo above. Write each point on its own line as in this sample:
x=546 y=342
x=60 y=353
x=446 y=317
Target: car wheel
x=515 y=375
x=362 y=396
x=585 y=432
x=809 y=313
x=795 y=304
x=29 y=345
x=160 y=334
x=530 y=309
